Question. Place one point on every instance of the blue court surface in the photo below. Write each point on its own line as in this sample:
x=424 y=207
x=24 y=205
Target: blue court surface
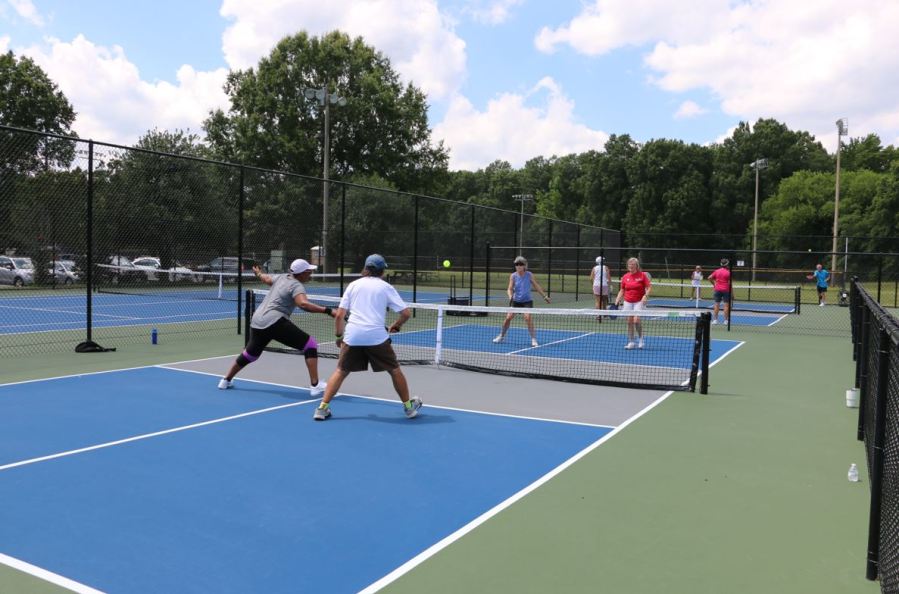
x=153 y=480
x=26 y=313
x=756 y=306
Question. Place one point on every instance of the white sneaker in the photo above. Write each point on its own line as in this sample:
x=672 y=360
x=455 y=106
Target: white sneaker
x=715 y=321
x=318 y=389
x=534 y=342
x=640 y=344
x=225 y=384
x=499 y=338
x=629 y=346
x=821 y=304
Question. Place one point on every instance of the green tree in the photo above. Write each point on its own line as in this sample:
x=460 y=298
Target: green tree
x=382 y=130
x=867 y=153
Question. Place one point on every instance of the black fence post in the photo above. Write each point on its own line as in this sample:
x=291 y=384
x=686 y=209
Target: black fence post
x=874 y=523
x=89 y=272
x=577 y=261
x=471 y=260
x=240 y=207
x=487 y=277
x=415 y=255
x=879 y=275
x=549 y=261
x=342 y=234
x=864 y=372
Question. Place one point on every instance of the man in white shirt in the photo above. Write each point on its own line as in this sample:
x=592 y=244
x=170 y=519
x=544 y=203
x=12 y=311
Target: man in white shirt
x=364 y=339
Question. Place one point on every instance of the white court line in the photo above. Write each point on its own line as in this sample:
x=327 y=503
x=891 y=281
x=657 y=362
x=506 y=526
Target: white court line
x=552 y=342
x=47 y=576
x=109 y=444
x=448 y=540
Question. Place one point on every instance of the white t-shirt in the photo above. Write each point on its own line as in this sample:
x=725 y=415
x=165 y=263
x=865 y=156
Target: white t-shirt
x=697 y=278
x=600 y=273
x=367 y=300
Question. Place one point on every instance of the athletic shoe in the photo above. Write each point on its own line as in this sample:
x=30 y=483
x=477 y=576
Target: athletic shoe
x=629 y=345
x=499 y=338
x=321 y=414
x=715 y=321
x=640 y=344
x=534 y=342
x=225 y=384
x=412 y=411
x=318 y=389
x=821 y=304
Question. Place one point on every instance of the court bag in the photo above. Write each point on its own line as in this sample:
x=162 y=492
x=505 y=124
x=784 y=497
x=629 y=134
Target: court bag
x=90 y=346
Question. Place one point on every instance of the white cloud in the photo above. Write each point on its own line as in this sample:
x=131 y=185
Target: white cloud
x=414 y=34
x=688 y=109
x=511 y=130
x=803 y=66
x=113 y=103
x=495 y=12
x=27 y=10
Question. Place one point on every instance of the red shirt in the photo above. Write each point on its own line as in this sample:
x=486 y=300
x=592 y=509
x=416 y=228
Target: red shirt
x=722 y=279
x=634 y=286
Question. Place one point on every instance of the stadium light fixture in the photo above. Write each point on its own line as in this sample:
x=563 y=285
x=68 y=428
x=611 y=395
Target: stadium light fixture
x=325 y=100
x=842 y=130
x=522 y=198
x=758 y=165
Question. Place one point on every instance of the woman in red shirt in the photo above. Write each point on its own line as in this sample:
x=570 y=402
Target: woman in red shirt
x=635 y=288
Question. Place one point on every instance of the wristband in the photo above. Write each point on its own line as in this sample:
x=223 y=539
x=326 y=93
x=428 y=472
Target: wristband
x=328 y=311
x=338 y=335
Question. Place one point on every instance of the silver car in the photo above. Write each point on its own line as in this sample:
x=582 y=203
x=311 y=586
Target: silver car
x=152 y=265
x=16 y=271
x=64 y=272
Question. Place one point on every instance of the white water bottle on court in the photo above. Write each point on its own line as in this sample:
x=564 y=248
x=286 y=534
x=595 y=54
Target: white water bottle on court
x=853 y=473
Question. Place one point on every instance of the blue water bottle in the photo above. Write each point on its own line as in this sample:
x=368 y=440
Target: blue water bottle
x=153 y=336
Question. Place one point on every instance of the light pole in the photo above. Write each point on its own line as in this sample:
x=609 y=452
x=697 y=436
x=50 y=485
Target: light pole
x=758 y=165
x=842 y=130
x=325 y=99
x=522 y=198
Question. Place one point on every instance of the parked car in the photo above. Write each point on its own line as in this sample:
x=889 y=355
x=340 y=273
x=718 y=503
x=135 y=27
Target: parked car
x=16 y=271
x=177 y=273
x=227 y=265
x=120 y=269
x=65 y=272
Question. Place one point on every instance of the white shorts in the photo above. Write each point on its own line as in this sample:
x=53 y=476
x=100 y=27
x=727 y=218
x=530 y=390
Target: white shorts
x=604 y=291
x=637 y=306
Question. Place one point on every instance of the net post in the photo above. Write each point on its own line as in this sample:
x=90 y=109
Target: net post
x=706 y=323
x=438 y=340
x=89 y=278
x=880 y=403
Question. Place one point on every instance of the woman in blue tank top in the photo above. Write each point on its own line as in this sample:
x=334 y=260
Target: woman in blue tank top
x=519 y=291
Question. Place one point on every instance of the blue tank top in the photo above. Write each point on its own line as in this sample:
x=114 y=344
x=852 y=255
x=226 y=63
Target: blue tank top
x=521 y=287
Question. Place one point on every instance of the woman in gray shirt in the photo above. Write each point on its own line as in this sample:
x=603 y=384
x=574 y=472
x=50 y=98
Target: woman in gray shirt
x=271 y=321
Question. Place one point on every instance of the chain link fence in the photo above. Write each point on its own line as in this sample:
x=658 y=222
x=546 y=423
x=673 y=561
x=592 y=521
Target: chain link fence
x=122 y=245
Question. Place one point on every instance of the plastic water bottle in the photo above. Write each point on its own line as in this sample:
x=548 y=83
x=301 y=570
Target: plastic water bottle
x=853 y=473
x=153 y=336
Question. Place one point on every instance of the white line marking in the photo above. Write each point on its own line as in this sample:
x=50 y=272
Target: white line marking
x=47 y=576
x=154 y=434
x=551 y=342
x=448 y=540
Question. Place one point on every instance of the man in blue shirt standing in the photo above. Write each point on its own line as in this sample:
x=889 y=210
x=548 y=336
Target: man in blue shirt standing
x=821 y=277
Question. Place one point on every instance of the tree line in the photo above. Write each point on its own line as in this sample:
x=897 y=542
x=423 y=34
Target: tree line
x=661 y=193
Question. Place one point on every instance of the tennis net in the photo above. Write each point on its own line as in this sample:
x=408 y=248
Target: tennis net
x=775 y=299
x=577 y=345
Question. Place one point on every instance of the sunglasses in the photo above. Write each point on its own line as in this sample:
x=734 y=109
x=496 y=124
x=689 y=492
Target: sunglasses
x=519 y=264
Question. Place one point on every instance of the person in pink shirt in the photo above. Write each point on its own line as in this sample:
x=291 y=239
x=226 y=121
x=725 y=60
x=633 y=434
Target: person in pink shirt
x=635 y=288
x=720 y=279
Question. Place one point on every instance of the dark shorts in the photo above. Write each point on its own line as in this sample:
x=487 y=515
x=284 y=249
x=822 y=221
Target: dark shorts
x=722 y=296
x=522 y=304
x=822 y=289
x=357 y=358
x=283 y=331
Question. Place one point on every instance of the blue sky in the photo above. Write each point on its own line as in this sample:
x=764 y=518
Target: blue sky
x=506 y=79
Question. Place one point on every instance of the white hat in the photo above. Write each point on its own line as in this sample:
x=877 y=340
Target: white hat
x=300 y=266
x=599 y=259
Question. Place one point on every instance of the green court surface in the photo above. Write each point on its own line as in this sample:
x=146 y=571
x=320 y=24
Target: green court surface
x=740 y=491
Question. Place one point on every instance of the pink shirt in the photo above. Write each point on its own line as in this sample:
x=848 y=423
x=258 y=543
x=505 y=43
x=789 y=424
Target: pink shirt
x=722 y=279
x=634 y=286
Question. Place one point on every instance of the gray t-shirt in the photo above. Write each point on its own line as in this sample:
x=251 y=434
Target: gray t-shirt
x=279 y=302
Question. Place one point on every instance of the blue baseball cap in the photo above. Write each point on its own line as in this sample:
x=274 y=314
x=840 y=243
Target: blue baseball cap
x=376 y=262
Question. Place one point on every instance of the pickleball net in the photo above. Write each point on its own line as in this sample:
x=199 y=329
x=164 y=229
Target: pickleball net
x=577 y=345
